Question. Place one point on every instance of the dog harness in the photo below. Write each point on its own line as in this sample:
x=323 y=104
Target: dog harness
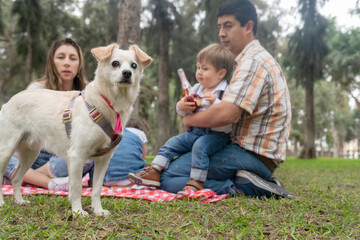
x=98 y=118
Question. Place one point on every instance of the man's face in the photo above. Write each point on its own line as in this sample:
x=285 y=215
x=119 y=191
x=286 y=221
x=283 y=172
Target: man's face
x=232 y=35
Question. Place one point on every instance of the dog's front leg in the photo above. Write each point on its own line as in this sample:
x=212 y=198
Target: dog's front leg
x=101 y=165
x=75 y=167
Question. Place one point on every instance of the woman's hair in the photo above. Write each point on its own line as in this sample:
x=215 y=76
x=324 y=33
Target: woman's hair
x=218 y=56
x=139 y=123
x=51 y=78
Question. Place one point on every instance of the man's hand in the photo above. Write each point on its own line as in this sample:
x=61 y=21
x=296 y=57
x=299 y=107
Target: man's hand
x=217 y=115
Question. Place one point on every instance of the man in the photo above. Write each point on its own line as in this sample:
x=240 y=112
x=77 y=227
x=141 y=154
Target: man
x=257 y=104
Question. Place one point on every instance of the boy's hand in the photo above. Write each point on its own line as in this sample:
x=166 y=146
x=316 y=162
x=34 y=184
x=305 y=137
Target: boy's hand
x=210 y=97
x=185 y=105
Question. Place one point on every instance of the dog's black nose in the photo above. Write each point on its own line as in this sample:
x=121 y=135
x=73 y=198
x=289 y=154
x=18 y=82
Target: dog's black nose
x=126 y=74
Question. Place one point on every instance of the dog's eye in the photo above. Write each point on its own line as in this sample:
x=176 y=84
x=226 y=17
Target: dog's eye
x=115 y=64
x=134 y=65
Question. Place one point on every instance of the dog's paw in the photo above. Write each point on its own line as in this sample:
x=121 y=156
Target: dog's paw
x=80 y=213
x=22 y=202
x=102 y=213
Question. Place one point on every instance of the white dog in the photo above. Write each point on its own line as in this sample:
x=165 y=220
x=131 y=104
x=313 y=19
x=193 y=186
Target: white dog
x=34 y=120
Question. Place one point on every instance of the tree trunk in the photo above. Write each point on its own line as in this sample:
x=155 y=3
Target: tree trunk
x=129 y=23
x=163 y=113
x=295 y=147
x=336 y=145
x=129 y=29
x=28 y=66
x=309 y=150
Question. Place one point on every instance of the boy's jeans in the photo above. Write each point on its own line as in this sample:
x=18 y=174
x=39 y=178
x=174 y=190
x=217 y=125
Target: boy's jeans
x=202 y=142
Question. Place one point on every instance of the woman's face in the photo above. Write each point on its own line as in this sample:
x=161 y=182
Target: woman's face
x=66 y=60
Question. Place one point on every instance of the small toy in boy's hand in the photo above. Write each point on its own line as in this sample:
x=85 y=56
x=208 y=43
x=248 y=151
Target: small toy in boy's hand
x=196 y=99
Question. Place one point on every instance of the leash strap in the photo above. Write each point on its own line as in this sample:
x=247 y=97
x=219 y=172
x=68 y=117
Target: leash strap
x=67 y=116
x=118 y=128
x=98 y=118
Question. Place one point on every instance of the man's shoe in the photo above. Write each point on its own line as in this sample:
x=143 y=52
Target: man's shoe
x=275 y=180
x=150 y=176
x=254 y=186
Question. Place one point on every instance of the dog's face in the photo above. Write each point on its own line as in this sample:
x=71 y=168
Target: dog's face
x=122 y=67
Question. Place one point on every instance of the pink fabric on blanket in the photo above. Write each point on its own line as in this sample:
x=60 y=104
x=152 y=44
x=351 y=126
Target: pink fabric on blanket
x=155 y=195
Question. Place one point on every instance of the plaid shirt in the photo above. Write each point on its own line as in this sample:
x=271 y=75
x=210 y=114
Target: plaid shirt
x=258 y=86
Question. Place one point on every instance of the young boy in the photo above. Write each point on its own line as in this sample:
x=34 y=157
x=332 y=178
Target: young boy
x=214 y=65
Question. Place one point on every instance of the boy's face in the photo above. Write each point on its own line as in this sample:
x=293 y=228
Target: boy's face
x=232 y=35
x=208 y=76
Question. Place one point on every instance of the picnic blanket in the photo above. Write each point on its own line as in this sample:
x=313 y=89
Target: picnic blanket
x=155 y=195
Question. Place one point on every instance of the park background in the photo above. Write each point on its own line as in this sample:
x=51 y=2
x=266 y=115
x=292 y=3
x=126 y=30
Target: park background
x=320 y=58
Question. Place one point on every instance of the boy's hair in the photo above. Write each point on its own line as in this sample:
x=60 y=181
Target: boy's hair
x=139 y=123
x=218 y=56
x=243 y=10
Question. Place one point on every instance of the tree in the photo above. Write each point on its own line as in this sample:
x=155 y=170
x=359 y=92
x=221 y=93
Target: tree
x=97 y=28
x=166 y=23
x=129 y=29
x=307 y=50
x=29 y=28
x=343 y=65
x=164 y=26
x=208 y=30
x=297 y=115
x=129 y=23
x=1 y=20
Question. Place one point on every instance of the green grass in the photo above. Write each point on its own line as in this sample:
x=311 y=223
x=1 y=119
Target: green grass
x=327 y=207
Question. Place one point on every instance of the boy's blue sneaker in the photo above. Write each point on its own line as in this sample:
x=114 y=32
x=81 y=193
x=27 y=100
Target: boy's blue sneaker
x=250 y=184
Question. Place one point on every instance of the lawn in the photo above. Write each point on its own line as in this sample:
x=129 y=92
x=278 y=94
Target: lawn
x=327 y=207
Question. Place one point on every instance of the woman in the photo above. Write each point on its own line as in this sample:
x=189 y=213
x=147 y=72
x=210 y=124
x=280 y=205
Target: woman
x=65 y=71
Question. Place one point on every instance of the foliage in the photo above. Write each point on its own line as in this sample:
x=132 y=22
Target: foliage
x=307 y=45
x=343 y=62
x=297 y=115
x=97 y=27
x=326 y=208
x=193 y=26
x=307 y=50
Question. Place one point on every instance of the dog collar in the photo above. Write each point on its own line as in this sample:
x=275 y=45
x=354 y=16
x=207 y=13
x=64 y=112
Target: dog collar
x=118 y=127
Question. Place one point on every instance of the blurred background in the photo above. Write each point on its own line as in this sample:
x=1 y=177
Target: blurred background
x=317 y=43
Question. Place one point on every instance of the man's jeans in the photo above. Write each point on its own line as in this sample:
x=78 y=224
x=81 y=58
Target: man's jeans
x=222 y=170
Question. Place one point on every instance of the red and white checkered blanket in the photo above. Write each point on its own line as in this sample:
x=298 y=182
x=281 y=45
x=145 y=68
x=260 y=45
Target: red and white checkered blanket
x=155 y=195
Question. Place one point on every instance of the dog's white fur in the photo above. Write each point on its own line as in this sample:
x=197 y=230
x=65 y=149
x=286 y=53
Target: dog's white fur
x=32 y=120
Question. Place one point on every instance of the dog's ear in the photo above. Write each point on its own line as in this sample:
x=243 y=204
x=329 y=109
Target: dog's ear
x=143 y=57
x=101 y=53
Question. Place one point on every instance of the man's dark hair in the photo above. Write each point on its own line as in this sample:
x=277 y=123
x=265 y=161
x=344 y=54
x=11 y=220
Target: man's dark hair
x=243 y=10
